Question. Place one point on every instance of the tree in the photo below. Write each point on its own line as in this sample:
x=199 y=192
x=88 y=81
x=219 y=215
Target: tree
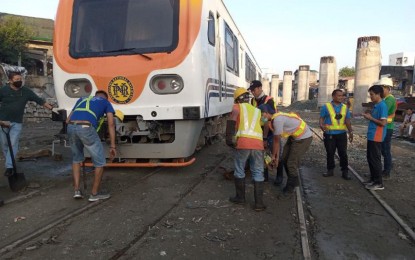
x=347 y=72
x=14 y=36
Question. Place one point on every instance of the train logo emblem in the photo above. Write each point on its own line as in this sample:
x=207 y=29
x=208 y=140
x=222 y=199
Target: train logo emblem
x=120 y=90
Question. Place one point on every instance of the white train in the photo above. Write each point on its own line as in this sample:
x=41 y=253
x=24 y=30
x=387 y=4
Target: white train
x=169 y=66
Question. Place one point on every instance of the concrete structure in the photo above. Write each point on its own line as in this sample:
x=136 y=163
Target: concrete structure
x=287 y=86
x=275 y=81
x=368 y=64
x=328 y=79
x=303 y=82
x=402 y=59
x=266 y=86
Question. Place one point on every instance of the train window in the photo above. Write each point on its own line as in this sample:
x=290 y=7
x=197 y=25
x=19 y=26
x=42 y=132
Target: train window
x=232 y=51
x=122 y=27
x=211 y=29
x=250 y=72
x=230 y=59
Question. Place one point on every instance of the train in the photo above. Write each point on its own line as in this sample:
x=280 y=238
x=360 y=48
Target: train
x=170 y=67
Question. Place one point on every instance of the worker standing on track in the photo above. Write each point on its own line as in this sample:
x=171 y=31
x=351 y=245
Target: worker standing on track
x=259 y=99
x=82 y=125
x=376 y=133
x=390 y=102
x=243 y=132
x=334 y=121
x=299 y=138
x=13 y=99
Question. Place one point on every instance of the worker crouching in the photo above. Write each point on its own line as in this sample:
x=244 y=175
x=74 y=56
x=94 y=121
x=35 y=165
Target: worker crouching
x=243 y=132
x=299 y=138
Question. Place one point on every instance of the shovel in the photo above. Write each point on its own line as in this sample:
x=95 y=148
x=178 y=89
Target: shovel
x=17 y=181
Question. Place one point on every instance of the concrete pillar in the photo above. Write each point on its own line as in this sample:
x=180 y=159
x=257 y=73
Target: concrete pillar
x=265 y=86
x=368 y=64
x=275 y=81
x=328 y=79
x=287 y=86
x=303 y=84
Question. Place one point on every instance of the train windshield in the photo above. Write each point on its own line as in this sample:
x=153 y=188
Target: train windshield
x=122 y=27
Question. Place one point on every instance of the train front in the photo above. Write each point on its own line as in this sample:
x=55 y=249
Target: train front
x=140 y=52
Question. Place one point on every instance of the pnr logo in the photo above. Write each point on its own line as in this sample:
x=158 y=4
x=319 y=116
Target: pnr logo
x=120 y=90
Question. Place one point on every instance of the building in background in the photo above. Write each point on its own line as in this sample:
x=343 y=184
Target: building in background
x=402 y=59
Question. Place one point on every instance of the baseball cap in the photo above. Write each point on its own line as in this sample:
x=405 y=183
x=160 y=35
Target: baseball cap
x=255 y=84
x=267 y=109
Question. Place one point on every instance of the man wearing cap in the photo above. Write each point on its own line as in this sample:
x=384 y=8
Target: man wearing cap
x=334 y=121
x=390 y=101
x=261 y=98
x=299 y=138
x=243 y=132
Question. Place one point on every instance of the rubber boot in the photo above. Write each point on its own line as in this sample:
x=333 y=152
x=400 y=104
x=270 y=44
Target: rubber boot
x=292 y=182
x=345 y=175
x=240 y=191
x=258 y=193
x=329 y=173
x=280 y=175
x=266 y=175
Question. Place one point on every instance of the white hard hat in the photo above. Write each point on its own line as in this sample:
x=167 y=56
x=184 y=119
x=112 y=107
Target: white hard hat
x=385 y=81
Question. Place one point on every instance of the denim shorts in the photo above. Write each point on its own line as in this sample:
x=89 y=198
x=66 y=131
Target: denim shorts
x=80 y=137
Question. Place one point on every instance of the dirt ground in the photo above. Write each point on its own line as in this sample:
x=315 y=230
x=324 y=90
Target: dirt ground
x=185 y=213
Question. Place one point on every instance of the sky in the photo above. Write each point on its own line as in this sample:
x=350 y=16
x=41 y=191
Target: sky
x=283 y=34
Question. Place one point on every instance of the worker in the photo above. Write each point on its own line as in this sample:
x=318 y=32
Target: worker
x=334 y=121
x=299 y=138
x=261 y=98
x=82 y=124
x=390 y=101
x=13 y=99
x=243 y=132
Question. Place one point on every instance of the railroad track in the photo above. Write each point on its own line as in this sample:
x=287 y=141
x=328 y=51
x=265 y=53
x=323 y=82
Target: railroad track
x=32 y=237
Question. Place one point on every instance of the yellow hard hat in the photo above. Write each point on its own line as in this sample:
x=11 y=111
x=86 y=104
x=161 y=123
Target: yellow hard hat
x=119 y=115
x=238 y=92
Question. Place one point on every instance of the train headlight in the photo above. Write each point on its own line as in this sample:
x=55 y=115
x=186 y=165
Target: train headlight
x=76 y=88
x=166 y=84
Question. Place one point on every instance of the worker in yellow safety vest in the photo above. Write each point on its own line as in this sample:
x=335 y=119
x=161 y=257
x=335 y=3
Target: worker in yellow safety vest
x=299 y=138
x=243 y=132
x=334 y=121
x=390 y=101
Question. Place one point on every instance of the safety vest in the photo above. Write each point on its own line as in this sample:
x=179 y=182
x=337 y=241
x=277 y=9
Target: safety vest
x=391 y=116
x=299 y=131
x=336 y=124
x=249 y=118
x=86 y=109
x=267 y=98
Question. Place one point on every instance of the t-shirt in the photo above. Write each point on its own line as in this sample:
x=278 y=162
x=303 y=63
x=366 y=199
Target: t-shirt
x=391 y=106
x=286 y=124
x=324 y=113
x=244 y=143
x=13 y=103
x=98 y=105
x=376 y=132
x=409 y=118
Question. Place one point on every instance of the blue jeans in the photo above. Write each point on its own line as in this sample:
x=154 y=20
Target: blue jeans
x=14 y=131
x=256 y=164
x=386 y=151
x=80 y=137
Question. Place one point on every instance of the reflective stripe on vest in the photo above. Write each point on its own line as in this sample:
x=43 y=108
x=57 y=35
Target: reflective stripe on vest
x=249 y=118
x=392 y=116
x=299 y=131
x=86 y=109
x=336 y=124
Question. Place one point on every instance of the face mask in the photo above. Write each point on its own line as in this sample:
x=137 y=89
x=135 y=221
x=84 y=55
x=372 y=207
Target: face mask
x=264 y=119
x=18 y=84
